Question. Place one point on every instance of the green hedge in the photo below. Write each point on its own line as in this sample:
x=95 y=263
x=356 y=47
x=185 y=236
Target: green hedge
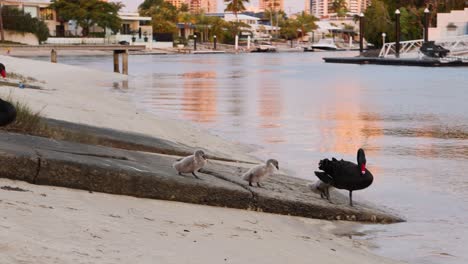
x=17 y=20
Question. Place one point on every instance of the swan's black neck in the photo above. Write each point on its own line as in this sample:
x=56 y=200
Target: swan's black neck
x=361 y=160
x=361 y=157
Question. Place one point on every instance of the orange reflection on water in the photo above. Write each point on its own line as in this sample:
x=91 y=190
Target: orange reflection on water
x=343 y=129
x=270 y=109
x=199 y=100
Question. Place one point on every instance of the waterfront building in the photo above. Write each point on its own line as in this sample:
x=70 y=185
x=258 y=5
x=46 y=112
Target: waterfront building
x=39 y=9
x=450 y=24
x=256 y=30
x=205 y=6
x=133 y=23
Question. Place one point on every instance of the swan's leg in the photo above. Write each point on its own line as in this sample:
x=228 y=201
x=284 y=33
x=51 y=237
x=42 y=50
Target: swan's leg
x=250 y=183
x=193 y=173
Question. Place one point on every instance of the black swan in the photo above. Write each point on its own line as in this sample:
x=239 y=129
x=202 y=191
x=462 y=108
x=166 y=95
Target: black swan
x=2 y=70
x=346 y=175
x=7 y=113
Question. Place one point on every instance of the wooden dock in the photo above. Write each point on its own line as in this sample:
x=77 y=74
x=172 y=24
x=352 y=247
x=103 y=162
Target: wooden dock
x=116 y=48
x=109 y=47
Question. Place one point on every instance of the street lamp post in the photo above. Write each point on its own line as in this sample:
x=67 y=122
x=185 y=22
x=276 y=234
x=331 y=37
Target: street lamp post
x=397 y=33
x=426 y=25
x=361 y=32
x=194 y=42
x=383 y=39
x=214 y=42
x=2 y=33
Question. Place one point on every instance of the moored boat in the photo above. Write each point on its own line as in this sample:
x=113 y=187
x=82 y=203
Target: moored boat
x=265 y=47
x=324 y=44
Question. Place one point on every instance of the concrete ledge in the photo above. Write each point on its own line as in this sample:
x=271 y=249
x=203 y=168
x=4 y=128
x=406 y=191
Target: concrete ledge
x=282 y=194
x=94 y=168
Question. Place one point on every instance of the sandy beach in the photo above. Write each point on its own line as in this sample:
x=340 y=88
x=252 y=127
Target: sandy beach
x=55 y=225
x=42 y=224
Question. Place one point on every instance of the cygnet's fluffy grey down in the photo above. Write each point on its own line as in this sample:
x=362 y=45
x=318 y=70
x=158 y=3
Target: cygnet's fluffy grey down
x=191 y=164
x=319 y=187
x=260 y=172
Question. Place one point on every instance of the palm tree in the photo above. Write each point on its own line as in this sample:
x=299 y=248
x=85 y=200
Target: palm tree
x=305 y=23
x=187 y=19
x=2 y=34
x=273 y=7
x=235 y=6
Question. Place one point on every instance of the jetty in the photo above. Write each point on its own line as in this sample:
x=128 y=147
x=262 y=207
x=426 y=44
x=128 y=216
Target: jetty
x=399 y=61
x=117 y=49
x=447 y=52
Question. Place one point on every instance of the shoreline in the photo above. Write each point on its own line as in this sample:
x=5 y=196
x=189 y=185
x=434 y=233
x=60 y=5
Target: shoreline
x=103 y=112
x=97 y=98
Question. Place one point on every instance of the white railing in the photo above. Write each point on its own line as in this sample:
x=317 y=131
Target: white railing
x=113 y=39
x=458 y=44
x=71 y=41
x=405 y=47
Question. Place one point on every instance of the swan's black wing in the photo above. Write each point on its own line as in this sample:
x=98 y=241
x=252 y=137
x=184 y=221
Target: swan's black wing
x=7 y=113
x=343 y=174
x=324 y=177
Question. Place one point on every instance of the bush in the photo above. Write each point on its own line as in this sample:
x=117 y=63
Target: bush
x=17 y=20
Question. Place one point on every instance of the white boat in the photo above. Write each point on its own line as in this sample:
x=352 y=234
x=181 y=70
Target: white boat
x=265 y=47
x=323 y=44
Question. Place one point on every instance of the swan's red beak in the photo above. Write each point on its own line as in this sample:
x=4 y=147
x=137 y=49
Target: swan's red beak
x=363 y=168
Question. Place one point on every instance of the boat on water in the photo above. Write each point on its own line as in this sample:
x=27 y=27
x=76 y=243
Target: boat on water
x=323 y=44
x=265 y=47
x=431 y=50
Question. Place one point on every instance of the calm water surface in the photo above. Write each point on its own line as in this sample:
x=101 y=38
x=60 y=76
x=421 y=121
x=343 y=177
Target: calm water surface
x=413 y=123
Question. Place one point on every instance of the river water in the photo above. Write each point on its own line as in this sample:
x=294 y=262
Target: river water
x=412 y=122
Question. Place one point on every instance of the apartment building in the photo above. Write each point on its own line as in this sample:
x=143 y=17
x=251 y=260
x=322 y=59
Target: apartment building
x=275 y=5
x=177 y=3
x=206 y=6
x=324 y=8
